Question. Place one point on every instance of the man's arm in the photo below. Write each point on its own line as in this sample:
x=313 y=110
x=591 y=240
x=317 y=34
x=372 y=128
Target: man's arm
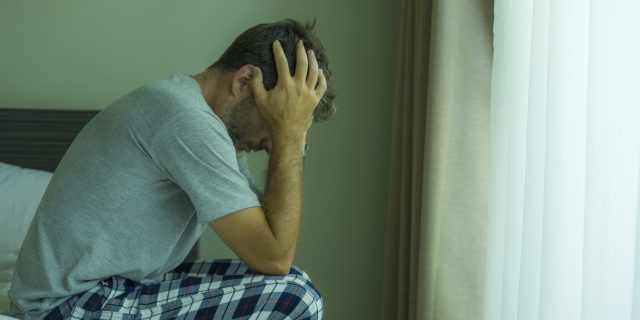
x=265 y=238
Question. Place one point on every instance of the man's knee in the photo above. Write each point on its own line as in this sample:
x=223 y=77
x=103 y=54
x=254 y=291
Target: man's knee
x=309 y=300
x=304 y=277
x=299 y=272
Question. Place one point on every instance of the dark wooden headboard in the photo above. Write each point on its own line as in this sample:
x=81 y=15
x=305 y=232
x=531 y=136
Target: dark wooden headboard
x=37 y=139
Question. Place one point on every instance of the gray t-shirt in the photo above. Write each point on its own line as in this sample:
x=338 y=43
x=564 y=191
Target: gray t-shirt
x=131 y=196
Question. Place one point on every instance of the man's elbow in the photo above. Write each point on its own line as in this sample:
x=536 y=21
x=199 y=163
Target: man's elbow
x=281 y=269
x=276 y=267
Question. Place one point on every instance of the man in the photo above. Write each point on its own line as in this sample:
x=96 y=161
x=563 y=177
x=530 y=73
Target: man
x=143 y=179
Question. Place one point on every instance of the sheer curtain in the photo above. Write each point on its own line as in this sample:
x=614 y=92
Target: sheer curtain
x=563 y=237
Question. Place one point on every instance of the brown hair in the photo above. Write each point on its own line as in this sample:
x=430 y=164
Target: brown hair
x=254 y=47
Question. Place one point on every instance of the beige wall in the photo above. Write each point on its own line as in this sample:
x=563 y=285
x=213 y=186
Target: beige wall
x=84 y=54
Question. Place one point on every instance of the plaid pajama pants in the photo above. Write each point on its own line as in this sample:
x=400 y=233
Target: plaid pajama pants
x=221 y=289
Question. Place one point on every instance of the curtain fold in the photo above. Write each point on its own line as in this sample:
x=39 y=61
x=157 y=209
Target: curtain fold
x=439 y=164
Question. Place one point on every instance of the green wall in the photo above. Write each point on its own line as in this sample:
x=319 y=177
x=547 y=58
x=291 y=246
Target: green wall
x=85 y=54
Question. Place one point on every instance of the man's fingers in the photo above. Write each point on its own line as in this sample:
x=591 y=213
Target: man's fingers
x=281 y=61
x=322 y=85
x=312 y=77
x=257 y=86
x=302 y=64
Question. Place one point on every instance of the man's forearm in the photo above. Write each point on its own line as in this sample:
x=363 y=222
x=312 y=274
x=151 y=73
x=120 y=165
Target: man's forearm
x=283 y=193
x=288 y=109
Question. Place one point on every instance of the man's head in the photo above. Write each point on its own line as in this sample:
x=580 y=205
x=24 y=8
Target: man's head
x=254 y=47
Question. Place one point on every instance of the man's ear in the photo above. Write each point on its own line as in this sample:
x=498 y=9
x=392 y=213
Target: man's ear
x=241 y=80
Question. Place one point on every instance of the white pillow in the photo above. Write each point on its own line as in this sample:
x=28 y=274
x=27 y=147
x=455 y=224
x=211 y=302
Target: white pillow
x=21 y=190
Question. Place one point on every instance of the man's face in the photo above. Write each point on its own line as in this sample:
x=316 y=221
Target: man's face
x=247 y=128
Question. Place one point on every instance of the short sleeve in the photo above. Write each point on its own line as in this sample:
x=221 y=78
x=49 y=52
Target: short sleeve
x=196 y=152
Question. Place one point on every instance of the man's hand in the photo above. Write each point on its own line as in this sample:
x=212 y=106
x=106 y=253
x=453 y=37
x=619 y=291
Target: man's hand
x=289 y=106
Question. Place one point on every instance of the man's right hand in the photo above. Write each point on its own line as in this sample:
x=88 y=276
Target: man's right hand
x=289 y=106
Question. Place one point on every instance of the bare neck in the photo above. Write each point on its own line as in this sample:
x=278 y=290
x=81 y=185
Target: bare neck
x=214 y=86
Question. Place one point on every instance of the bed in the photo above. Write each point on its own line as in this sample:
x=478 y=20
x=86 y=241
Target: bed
x=32 y=142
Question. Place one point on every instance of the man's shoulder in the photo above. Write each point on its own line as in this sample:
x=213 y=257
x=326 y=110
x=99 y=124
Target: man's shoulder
x=177 y=88
x=161 y=100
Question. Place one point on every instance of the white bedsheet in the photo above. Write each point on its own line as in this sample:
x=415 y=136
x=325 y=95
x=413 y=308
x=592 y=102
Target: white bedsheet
x=4 y=302
x=20 y=192
x=7 y=264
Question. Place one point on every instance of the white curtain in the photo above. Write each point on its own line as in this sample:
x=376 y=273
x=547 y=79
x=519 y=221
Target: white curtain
x=564 y=233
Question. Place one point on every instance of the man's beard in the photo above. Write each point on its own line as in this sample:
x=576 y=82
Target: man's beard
x=239 y=125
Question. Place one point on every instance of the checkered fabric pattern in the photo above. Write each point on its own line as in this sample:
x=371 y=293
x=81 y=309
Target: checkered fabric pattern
x=220 y=289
